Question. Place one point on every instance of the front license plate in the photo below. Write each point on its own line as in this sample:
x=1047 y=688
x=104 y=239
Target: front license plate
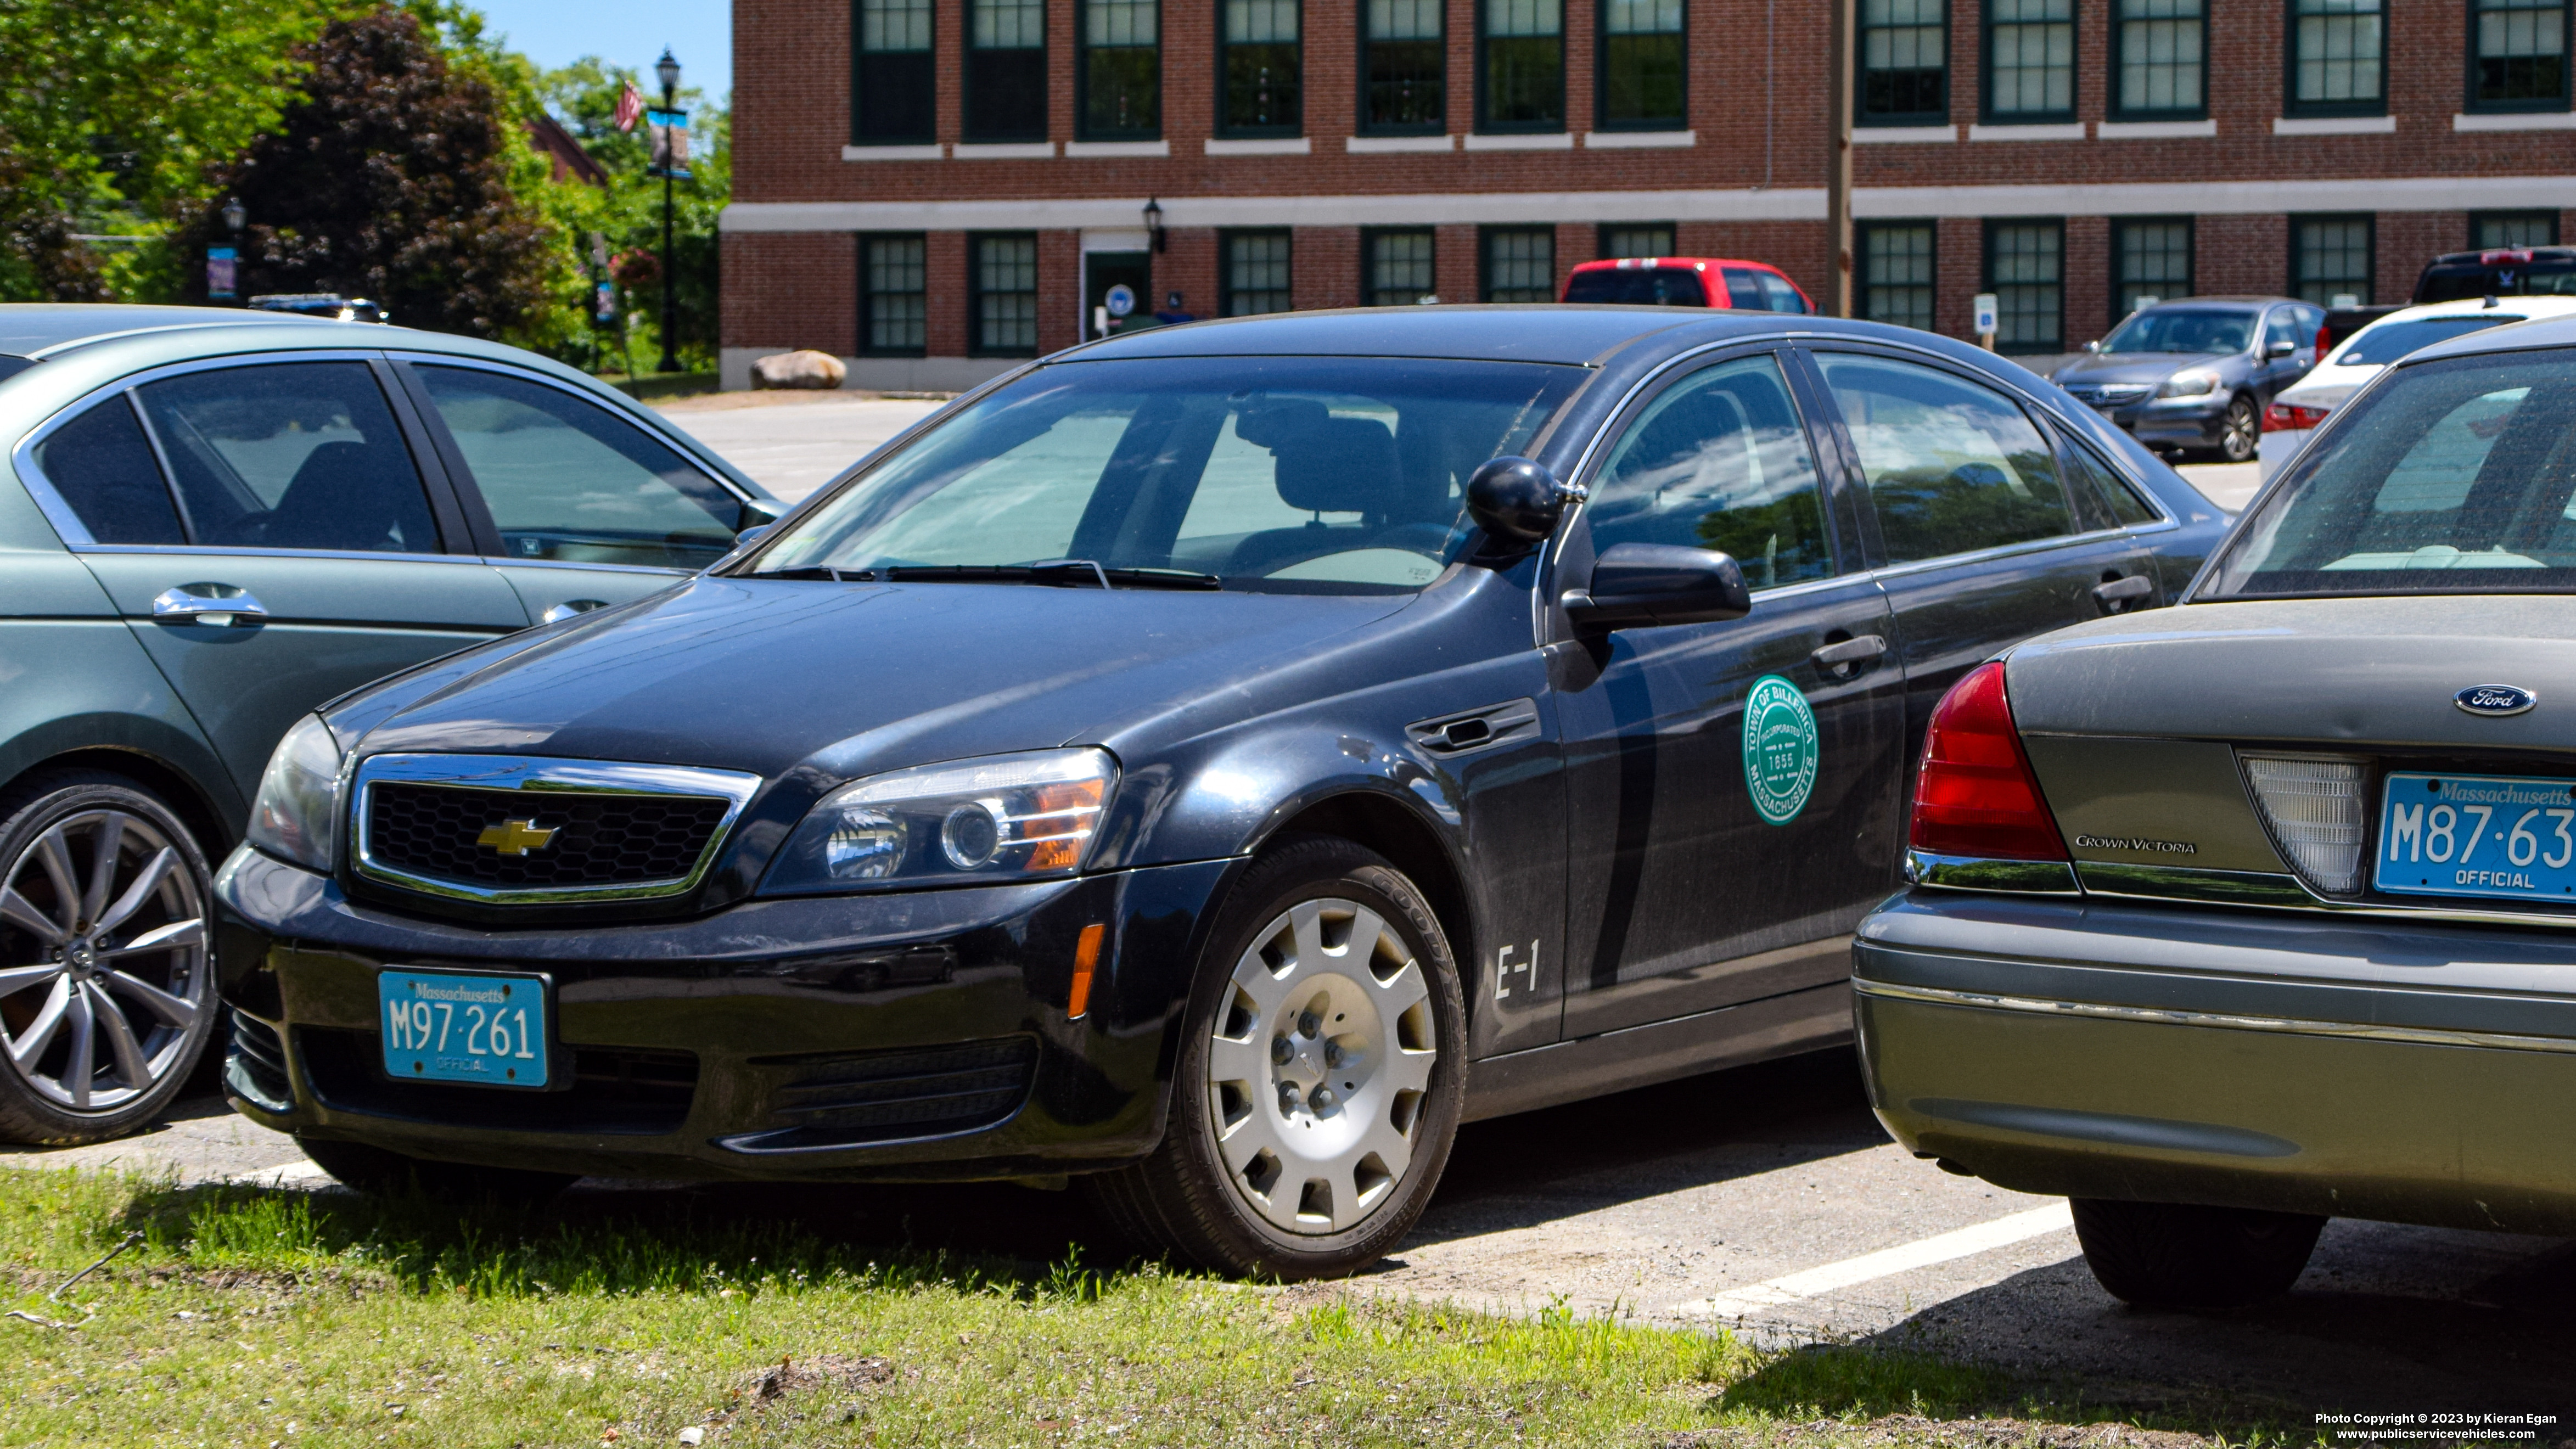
x=483 y=1027
x=2477 y=835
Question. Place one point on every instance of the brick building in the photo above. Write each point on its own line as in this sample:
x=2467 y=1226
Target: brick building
x=933 y=187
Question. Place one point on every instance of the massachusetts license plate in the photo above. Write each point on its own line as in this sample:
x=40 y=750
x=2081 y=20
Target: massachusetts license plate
x=2477 y=835
x=483 y=1027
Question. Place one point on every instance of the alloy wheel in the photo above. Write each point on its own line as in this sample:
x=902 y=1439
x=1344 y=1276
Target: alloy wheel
x=1318 y=1065
x=2242 y=432
x=103 y=961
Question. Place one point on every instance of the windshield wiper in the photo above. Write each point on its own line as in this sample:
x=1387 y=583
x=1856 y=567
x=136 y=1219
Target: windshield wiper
x=809 y=571
x=1063 y=573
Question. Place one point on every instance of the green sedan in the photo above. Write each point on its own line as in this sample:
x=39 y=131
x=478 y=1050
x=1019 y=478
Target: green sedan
x=219 y=520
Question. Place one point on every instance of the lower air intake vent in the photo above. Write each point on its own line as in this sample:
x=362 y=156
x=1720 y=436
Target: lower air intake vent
x=255 y=1064
x=863 y=1097
x=2312 y=805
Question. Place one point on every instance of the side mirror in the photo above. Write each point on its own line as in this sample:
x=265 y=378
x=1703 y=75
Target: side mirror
x=2092 y=346
x=760 y=513
x=2282 y=348
x=1643 y=585
x=752 y=535
x=1517 y=501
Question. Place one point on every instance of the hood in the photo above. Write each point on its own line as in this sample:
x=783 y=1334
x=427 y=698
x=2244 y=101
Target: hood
x=763 y=675
x=2095 y=369
x=2328 y=387
x=2329 y=673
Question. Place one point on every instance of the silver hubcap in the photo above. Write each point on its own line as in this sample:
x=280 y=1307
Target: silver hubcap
x=2243 y=429
x=103 y=978
x=1318 y=1066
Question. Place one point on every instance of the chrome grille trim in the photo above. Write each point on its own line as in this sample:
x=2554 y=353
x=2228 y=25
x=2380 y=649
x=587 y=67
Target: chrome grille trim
x=541 y=776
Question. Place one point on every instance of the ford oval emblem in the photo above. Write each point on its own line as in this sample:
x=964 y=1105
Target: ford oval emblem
x=2495 y=699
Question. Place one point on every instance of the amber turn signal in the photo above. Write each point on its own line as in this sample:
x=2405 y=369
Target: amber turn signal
x=1086 y=956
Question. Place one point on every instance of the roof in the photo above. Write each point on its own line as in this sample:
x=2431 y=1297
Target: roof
x=1606 y=264
x=28 y=328
x=1533 y=333
x=572 y=163
x=2512 y=337
x=2247 y=299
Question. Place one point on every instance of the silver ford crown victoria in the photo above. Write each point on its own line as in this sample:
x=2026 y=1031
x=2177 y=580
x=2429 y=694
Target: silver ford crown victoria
x=2230 y=918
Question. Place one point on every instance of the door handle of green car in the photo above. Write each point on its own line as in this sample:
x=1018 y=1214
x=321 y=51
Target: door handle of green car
x=209 y=606
x=2114 y=592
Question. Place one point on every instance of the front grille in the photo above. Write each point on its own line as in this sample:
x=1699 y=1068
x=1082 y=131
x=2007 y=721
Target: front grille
x=853 y=1099
x=255 y=1064
x=598 y=839
x=615 y=1090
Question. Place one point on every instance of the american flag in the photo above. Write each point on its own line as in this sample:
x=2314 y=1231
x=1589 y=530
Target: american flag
x=630 y=108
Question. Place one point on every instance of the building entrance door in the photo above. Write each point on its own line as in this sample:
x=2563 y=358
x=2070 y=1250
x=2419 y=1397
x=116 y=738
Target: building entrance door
x=1104 y=270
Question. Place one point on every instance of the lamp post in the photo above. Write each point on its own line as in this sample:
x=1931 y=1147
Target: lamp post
x=1154 y=223
x=669 y=70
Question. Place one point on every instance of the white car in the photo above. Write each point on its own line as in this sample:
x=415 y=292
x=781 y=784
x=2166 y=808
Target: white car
x=2297 y=409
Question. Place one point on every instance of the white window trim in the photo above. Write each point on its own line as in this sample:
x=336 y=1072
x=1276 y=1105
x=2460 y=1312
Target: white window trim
x=1004 y=151
x=2516 y=121
x=1905 y=135
x=2154 y=130
x=1388 y=145
x=931 y=152
x=1118 y=148
x=1260 y=146
x=1638 y=140
x=2334 y=125
x=1514 y=141
x=2062 y=131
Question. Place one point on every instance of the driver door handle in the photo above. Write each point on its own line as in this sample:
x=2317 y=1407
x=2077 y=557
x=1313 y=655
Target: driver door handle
x=208 y=605
x=1849 y=651
x=2117 y=591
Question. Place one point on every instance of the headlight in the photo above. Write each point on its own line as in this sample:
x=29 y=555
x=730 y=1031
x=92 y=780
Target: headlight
x=1003 y=818
x=297 y=814
x=2190 y=382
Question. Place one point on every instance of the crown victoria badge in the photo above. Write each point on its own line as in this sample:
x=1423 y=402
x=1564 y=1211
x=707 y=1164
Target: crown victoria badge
x=516 y=837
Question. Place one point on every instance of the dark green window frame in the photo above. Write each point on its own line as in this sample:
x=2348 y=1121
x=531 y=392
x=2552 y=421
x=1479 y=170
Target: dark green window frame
x=1235 y=296
x=894 y=76
x=894 y=294
x=2317 y=288
x=1491 y=238
x=1623 y=238
x=2126 y=233
x=1117 y=77
x=2526 y=219
x=2149 y=39
x=978 y=293
x=1261 y=80
x=1376 y=289
x=2028 y=22
x=1004 y=92
x=1520 y=73
x=1404 y=77
x=1872 y=280
x=2519 y=76
x=1893 y=94
x=2016 y=294
x=1641 y=68
x=2327 y=47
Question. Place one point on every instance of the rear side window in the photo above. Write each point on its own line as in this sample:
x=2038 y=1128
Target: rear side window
x=1743 y=293
x=1778 y=295
x=1953 y=467
x=291 y=455
x=1719 y=461
x=1638 y=287
x=2105 y=494
x=103 y=468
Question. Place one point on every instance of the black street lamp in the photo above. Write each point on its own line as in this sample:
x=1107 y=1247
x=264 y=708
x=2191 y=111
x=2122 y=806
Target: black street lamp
x=669 y=70
x=235 y=215
x=1154 y=223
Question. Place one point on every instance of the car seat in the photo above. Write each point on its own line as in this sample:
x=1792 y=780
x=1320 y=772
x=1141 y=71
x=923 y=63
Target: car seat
x=1323 y=464
x=348 y=495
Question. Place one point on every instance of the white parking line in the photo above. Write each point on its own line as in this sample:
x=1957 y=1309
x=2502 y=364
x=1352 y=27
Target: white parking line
x=1886 y=1263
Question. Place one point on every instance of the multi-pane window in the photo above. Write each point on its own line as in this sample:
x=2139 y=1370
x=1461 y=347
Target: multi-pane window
x=2150 y=263
x=1629 y=239
x=2330 y=260
x=2503 y=230
x=1256 y=272
x=2025 y=269
x=1522 y=55
x=1401 y=268
x=1402 y=65
x=1641 y=65
x=1264 y=65
x=1006 y=70
x=2335 y=50
x=893 y=79
x=2157 y=61
x=2030 y=60
x=2518 y=54
x=1904 y=62
x=1121 y=68
x=1003 y=295
x=1520 y=264
x=894 y=296
x=1896 y=272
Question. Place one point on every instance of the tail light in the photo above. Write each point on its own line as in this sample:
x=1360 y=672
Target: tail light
x=2286 y=418
x=1975 y=794
x=2323 y=342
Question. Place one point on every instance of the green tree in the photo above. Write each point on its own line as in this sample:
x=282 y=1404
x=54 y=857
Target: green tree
x=627 y=213
x=399 y=171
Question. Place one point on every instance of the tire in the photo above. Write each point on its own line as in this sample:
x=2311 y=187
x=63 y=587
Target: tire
x=106 y=978
x=378 y=1172
x=2176 y=1255
x=1286 y=1168
x=2240 y=433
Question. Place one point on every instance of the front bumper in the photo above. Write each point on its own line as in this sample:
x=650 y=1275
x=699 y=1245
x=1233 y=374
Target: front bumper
x=2409 y=1073
x=2193 y=422
x=919 y=1035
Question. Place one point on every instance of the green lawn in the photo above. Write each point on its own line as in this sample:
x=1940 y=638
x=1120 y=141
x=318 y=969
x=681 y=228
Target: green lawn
x=257 y=1317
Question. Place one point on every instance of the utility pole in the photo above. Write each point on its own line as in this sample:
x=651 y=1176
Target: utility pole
x=1838 y=163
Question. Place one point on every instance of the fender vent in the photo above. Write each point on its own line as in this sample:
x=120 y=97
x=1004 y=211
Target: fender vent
x=1476 y=729
x=2313 y=807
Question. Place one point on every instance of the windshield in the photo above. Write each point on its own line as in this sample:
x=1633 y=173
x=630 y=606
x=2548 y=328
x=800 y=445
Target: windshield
x=2450 y=477
x=2384 y=342
x=1283 y=474
x=2182 y=329
x=2460 y=281
x=1650 y=287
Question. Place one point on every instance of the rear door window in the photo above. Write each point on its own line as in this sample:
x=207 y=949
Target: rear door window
x=102 y=468
x=1778 y=295
x=1953 y=466
x=1743 y=293
x=302 y=455
x=2102 y=494
x=1719 y=461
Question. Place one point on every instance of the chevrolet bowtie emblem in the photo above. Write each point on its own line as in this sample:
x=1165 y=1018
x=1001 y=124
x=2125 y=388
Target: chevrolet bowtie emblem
x=515 y=837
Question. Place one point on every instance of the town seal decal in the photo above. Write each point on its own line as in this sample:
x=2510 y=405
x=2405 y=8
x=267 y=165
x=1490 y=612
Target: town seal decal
x=1779 y=749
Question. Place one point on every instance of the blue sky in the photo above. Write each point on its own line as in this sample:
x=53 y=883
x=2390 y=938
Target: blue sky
x=623 y=32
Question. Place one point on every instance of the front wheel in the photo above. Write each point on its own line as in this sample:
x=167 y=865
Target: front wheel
x=2240 y=433
x=2179 y=1255
x=1319 y=1080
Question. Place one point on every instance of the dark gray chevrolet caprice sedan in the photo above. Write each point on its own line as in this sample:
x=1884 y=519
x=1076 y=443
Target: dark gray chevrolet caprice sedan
x=2233 y=917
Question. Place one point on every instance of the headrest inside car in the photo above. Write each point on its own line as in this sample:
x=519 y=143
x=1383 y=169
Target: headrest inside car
x=1322 y=463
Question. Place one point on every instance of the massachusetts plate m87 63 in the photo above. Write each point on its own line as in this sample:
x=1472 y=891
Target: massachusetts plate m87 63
x=2477 y=835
